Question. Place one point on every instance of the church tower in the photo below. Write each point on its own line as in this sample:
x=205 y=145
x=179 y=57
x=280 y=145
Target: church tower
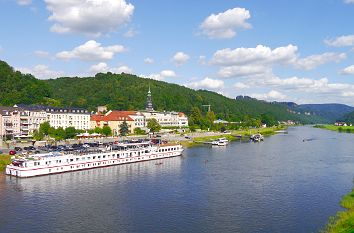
x=149 y=107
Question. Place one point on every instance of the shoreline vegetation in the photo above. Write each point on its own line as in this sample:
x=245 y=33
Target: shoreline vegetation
x=343 y=221
x=4 y=160
x=341 y=129
x=233 y=135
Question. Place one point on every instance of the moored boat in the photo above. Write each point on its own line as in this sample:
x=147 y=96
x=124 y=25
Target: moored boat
x=66 y=161
x=220 y=142
x=257 y=137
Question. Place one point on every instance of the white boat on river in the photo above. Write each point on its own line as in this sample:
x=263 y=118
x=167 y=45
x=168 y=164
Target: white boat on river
x=66 y=161
x=220 y=142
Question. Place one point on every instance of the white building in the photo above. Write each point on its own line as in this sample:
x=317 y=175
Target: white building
x=168 y=119
x=21 y=121
x=68 y=117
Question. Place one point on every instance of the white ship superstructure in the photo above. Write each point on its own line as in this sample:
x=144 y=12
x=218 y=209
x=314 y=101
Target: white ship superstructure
x=66 y=161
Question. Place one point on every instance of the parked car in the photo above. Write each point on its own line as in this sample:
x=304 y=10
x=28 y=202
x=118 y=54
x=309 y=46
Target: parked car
x=1 y=152
x=12 y=152
x=18 y=148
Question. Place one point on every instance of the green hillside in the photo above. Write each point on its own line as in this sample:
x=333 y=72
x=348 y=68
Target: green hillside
x=16 y=87
x=125 y=91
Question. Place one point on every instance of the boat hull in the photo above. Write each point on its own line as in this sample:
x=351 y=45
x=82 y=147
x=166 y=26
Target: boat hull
x=77 y=166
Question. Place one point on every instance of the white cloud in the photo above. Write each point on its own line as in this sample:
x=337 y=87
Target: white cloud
x=123 y=69
x=130 y=33
x=270 y=96
x=243 y=71
x=202 y=60
x=341 y=41
x=102 y=67
x=41 y=72
x=162 y=75
x=168 y=73
x=240 y=85
x=348 y=70
x=24 y=2
x=91 y=51
x=258 y=55
x=224 y=25
x=261 y=59
x=314 y=61
x=149 y=60
x=180 y=58
x=42 y=54
x=206 y=83
x=348 y=1
x=91 y=17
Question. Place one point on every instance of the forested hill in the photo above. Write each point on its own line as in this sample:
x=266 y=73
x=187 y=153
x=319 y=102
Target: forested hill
x=125 y=91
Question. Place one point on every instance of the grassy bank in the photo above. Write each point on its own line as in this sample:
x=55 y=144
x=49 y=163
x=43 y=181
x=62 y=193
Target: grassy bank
x=343 y=222
x=4 y=160
x=235 y=135
x=343 y=129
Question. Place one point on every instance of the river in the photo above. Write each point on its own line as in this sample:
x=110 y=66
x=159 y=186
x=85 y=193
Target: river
x=284 y=184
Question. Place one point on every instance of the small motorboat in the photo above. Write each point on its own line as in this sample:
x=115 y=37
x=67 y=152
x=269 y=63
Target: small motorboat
x=220 y=142
x=257 y=137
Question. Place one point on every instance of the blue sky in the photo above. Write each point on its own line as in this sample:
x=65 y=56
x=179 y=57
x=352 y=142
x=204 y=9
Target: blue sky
x=299 y=51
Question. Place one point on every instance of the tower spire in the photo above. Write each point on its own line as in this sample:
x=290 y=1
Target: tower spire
x=149 y=106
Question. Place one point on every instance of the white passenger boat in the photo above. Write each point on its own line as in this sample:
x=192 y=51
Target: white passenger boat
x=257 y=137
x=57 y=162
x=220 y=142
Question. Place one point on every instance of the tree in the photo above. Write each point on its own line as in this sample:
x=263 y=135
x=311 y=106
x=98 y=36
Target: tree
x=44 y=128
x=123 y=129
x=211 y=118
x=268 y=119
x=70 y=132
x=153 y=125
x=196 y=115
x=139 y=131
x=106 y=130
x=97 y=130
x=37 y=135
x=59 y=134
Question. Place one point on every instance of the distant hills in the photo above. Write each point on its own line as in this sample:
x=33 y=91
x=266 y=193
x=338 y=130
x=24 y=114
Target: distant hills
x=128 y=92
x=327 y=113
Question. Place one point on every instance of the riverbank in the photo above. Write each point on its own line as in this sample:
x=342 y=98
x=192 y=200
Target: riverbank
x=344 y=220
x=4 y=160
x=341 y=129
x=233 y=135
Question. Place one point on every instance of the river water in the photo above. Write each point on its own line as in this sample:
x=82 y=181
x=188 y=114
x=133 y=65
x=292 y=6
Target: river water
x=284 y=184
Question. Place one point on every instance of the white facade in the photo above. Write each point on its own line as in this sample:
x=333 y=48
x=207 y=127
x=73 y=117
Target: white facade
x=168 y=119
x=139 y=120
x=77 y=118
x=22 y=121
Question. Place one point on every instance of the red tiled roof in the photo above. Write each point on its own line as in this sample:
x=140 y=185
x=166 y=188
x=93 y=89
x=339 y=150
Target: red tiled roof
x=114 y=116
x=97 y=117
x=181 y=114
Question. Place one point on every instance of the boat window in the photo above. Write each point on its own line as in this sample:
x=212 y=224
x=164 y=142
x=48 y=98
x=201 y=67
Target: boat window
x=104 y=156
x=93 y=157
x=71 y=160
x=77 y=159
x=88 y=158
x=99 y=157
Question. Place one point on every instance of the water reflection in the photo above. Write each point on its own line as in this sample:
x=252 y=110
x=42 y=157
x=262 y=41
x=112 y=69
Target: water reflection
x=280 y=185
x=100 y=176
